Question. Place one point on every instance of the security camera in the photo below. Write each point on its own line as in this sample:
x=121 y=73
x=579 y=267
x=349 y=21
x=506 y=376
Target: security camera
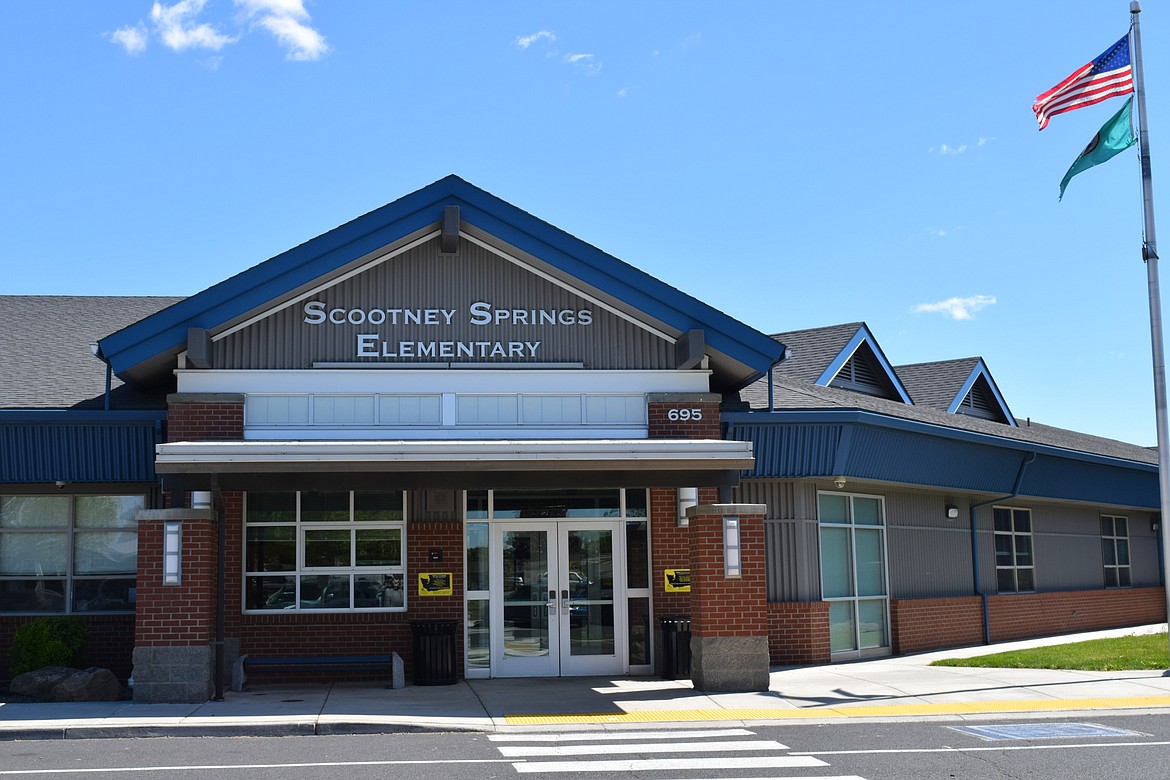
x=839 y=482
x=60 y=485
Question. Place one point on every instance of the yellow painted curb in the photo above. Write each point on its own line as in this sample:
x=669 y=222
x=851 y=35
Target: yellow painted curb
x=859 y=711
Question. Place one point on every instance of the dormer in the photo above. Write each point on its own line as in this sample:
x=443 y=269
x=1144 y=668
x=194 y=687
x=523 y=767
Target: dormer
x=963 y=386
x=846 y=357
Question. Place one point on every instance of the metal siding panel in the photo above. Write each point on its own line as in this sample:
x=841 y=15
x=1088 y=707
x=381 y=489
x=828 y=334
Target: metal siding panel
x=425 y=278
x=77 y=452
x=790 y=450
x=1098 y=483
x=1145 y=565
x=1067 y=544
x=897 y=456
x=928 y=556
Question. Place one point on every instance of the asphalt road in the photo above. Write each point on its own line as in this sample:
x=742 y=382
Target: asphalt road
x=1099 y=745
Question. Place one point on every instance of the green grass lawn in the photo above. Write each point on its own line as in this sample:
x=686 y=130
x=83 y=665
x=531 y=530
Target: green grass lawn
x=1148 y=651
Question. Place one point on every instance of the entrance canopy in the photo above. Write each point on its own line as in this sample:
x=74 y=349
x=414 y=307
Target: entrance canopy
x=269 y=465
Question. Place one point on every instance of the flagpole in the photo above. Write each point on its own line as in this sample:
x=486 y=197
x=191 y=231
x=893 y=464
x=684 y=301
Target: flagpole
x=1150 y=255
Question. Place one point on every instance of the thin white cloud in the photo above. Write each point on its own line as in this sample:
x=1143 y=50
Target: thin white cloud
x=585 y=62
x=176 y=26
x=132 y=39
x=957 y=308
x=951 y=150
x=287 y=21
x=524 y=41
x=179 y=27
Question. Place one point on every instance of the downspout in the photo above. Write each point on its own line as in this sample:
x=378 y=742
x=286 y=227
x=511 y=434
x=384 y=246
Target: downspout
x=975 y=544
x=109 y=382
x=221 y=561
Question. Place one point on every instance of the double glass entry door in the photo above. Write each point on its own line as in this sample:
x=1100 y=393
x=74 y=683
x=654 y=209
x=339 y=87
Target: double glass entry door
x=555 y=609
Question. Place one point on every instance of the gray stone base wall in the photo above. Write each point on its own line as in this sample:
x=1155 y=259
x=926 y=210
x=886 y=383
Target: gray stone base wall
x=173 y=674
x=738 y=663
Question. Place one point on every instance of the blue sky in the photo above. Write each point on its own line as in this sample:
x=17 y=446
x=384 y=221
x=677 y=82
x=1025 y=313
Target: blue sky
x=794 y=164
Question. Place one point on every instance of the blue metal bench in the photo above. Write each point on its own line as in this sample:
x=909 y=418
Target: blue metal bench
x=247 y=665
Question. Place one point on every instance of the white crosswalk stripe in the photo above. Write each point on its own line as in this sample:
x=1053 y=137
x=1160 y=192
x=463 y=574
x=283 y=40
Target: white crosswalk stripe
x=574 y=752
x=657 y=747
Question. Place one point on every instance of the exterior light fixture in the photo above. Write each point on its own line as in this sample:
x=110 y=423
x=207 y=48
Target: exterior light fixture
x=172 y=552
x=687 y=497
x=952 y=511
x=731 y=558
x=839 y=482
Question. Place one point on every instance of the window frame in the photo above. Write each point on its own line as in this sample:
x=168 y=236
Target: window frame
x=301 y=569
x=1014 y=535
x=70 y=531
x=854 y=598
x=1114 y=540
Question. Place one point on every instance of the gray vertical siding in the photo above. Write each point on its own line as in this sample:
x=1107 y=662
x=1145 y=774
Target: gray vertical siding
x=929 y=556
x=424 y=278
x=791 y=537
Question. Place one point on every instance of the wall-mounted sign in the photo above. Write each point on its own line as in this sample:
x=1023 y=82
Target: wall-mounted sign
x=435 y=584
x=678 y=580
x=479 y=314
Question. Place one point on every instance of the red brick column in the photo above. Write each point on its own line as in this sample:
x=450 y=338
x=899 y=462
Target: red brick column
x=205 y=417
x=729 y=615
x=675 y=416
x=175 y=624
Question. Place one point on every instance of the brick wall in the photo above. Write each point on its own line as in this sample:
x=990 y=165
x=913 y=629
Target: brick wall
x=180 y=615
x=722 y=606
x=798 y=632
x=1025 y=615
x=670 y=546
x=205 y=420
x=917 y=625
x=661 y=426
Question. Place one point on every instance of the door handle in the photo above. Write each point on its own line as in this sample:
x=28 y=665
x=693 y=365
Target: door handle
x=564 y=602
x=552 y=602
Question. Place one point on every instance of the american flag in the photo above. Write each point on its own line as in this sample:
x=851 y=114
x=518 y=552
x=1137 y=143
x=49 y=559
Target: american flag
x=1107 y=76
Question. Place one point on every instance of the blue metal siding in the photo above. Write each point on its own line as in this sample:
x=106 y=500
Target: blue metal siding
x=895 y=456
x=899 y=454
x=790 y=450
x=33 y=451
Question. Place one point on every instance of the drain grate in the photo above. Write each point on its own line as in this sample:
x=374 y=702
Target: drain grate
x=1043 y=731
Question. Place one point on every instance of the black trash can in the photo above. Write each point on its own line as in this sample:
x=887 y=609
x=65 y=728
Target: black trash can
x=434 y=651
x=676 y=647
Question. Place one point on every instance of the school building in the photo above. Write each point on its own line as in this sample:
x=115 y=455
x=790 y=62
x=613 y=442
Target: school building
x=450 y=418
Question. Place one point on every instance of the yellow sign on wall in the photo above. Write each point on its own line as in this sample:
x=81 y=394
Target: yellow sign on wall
x=435 y=584
x=678 y=580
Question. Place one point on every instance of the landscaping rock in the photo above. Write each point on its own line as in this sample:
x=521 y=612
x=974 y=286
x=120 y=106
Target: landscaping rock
x=93 y=684
x=60 y=683
x=39 y=683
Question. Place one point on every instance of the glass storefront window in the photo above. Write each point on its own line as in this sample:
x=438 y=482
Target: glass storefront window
x=351 y=548
x=68 y=553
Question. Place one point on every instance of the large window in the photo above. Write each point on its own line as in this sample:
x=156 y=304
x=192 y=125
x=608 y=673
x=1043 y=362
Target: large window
x=853 y=573
x=68 y=553
x=1115 y=550
x=1014 y=566
x=335 y=550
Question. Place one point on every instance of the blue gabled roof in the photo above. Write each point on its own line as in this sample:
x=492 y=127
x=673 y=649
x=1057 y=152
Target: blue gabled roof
x=137 y=352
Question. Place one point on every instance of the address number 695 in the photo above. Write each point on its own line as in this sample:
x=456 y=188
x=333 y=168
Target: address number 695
x=677 y=415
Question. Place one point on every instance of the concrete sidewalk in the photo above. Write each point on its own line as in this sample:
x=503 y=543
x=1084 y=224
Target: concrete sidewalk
x=903 y=687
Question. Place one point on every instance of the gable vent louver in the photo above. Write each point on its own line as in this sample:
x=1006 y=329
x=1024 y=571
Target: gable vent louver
x=981 y=403
x=862 y=374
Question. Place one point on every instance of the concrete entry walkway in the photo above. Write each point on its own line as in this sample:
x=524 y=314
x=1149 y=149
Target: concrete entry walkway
x=904 y=687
